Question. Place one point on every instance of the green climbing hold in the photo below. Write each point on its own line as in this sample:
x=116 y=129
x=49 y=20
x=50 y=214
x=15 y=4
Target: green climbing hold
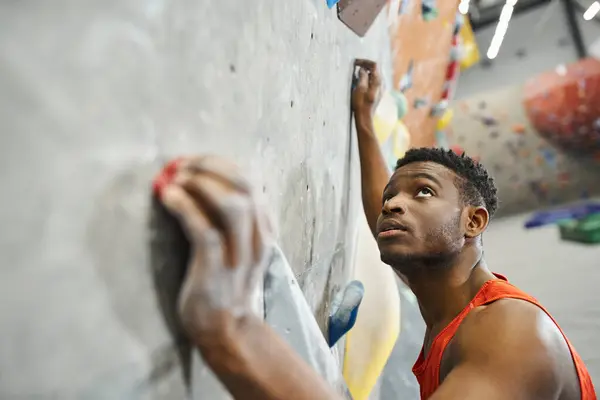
x=401 y=103
x=429 y=10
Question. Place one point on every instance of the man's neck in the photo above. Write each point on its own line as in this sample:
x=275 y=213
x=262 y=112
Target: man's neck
x=443 y=293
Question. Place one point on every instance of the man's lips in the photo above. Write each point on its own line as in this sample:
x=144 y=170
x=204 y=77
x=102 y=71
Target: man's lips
x=391 y=228
x=391 y=233
x=392 y=225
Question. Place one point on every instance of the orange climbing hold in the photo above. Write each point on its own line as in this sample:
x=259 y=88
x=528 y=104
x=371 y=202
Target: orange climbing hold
x=518 y=128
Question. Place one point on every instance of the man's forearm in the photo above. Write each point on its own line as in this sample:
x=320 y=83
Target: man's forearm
x=373 y=169
x=253 y=362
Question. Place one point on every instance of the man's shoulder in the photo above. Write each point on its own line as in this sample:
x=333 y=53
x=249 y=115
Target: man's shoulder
x=512 y=338
x=517 y=324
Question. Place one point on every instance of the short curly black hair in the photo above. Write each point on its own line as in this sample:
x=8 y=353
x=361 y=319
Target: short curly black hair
x=476 y=185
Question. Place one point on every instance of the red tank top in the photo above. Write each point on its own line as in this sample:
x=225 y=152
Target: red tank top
x=427 y=370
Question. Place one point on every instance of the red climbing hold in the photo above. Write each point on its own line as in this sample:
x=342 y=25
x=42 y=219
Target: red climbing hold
x=165 y=176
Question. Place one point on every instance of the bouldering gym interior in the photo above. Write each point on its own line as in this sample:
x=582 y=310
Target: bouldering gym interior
x=96 y=97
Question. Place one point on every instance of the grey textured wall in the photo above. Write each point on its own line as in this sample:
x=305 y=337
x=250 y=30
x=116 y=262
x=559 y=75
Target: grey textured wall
x=94 y=96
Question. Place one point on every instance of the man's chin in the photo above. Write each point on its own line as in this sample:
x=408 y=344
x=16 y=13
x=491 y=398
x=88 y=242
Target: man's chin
x=394 y=258
x=405 y=262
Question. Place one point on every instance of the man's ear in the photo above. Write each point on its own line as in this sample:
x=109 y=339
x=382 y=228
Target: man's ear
x=477 y=222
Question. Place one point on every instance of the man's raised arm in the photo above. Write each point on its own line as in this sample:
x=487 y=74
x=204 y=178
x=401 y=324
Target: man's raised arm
x=373 y=170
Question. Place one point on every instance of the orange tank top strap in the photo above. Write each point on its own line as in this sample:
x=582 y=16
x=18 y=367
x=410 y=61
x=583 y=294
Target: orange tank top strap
x=427 y=369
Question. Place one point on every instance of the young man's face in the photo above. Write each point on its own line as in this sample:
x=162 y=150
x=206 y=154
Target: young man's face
x=421 y=220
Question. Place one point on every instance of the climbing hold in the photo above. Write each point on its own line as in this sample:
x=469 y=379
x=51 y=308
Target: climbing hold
x=549 y=157
x=482 y=105
x=457 y=150
x=331 y=3
x=439 y=109
x=401 y=103
x=429 y=10
x=420 y=103
x=344 y=310
x=456 y=53
x=459 y=21
x=441 y=140
x=494 y=134
x=401 y=140
x=386 y=116
x=521 y=52
x=518 y=128
x=512 y=149
x=488 y=121
x=165 y=176
x=406 y=81
x=445 y=120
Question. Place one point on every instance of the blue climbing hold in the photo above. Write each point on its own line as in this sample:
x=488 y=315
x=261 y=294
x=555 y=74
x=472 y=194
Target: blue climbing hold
x=406 y=81
x=441 y=140
x=459 y=21
x=439 y=109
x=331 y=3
x=344 y=310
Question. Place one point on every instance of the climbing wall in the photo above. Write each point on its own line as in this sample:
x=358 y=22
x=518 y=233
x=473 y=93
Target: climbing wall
x=422 y=37
x=94 y=97
x=564 y=107
x=530 y=171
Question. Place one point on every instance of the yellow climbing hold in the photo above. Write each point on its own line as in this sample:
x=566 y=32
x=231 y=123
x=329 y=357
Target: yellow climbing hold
x=401 y=139
x=445 y=120
x=385 y=118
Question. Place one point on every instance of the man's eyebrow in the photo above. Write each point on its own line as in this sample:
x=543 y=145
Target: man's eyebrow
x=426 y=176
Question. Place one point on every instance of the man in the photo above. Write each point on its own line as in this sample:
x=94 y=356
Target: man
x=485 y=339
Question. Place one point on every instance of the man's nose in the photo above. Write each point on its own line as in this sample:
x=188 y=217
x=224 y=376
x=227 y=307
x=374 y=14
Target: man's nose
x=394 y=205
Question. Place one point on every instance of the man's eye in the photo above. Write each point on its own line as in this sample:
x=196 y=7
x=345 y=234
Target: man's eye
x=425 y=192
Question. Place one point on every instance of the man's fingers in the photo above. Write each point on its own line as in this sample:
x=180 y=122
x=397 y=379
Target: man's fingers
x=228 y=209
x=367 y=64
x=219 y=168
x=363 y=79
x=184 y=208
x=374 y=78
